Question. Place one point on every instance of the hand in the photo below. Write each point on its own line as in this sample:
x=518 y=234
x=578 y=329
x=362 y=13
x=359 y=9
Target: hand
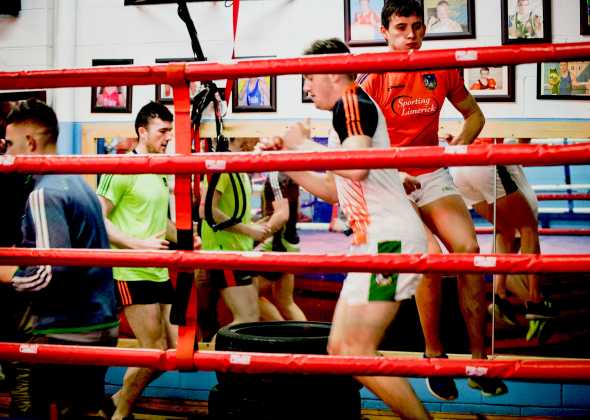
x=197 y=242
x=410 y=182
x=258 y=231
x=269 y=144
x=297 y=134
x=154 y=242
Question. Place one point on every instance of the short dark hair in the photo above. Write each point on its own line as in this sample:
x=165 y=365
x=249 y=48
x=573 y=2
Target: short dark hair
x=442 y=2
x=405 y=8
x=328 y=46
x=149 y=111
x=36 y=112
x=484 y=69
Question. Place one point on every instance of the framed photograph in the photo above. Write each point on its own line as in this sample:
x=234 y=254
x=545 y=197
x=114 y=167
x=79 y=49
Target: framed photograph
x=304 y=98
x=584 y=17
x=23 y=95
x=111 y=99
x=164 y=93
x=449 y=19
x=362 y=22
x=526 y=21
x=491 y=84
x=255 y=94
x=568 y=80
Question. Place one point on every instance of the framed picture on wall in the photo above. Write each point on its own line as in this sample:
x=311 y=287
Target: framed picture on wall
x=568 y=80
x=255 y=94
x=491 y=84
x=585 y=17
x=111 y=99
x=526 y=21
x=304 y=96
x=449 y=19
x=362 y=22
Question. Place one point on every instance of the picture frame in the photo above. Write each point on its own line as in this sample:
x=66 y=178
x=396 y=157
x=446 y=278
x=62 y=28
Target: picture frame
x=362 y=23
x=449 y=19
x=566 y=80
x=111 y=99
x=584 y=17
x=255 y=94
x=304 y=98
x=164 y=93
x=526 y=21
x=23 y=95
x=491 y=84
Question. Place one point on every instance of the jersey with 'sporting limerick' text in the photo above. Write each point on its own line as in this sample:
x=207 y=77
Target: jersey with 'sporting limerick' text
x=376 y=207
x=411 y=103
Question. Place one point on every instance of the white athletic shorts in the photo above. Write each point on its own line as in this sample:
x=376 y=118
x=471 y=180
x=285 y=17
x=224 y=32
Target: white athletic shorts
x=433 y=186
x=476 y=183
x=361 y=288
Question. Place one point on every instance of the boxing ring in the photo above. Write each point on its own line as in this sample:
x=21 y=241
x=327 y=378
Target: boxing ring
x=185 y=164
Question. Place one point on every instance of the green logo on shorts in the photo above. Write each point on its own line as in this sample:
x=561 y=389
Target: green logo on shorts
x=383 y=285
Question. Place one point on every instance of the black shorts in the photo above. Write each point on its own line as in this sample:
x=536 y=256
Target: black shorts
x=221 y=279
x=144 y=292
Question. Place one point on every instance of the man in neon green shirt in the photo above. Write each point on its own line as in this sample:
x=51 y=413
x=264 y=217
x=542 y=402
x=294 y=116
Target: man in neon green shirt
x=236 y=287
x=135 y=209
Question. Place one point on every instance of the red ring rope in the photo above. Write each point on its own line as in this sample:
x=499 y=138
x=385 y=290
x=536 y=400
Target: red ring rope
x=299 y=262
x=366 y=62
x=566 y=370
x=424 y=156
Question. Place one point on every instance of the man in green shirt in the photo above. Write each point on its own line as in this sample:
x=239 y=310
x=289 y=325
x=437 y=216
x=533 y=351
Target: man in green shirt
x=135 y=209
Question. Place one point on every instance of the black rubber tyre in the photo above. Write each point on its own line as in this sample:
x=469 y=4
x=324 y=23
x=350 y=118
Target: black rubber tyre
x=276 y=404
x=275 y=337
x=294 y=395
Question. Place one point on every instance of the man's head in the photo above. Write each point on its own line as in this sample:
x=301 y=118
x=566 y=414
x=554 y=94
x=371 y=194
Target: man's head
x=523 y=6
x=325 y=89
x=402 y=24
x=442 y=9
x=364 y=5
x=31 y=128
x=153 y=126
x=484 y=72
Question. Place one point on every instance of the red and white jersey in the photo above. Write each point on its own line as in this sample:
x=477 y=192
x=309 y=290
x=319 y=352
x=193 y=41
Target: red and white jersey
x=377 y=207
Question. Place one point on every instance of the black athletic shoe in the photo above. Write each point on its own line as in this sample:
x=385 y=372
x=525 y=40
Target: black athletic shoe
x=442 y=387
x=489 y=387
x=502 y=309
x=541 y=310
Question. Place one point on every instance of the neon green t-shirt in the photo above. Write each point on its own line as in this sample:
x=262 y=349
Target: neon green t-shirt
x=225 y=240
x=140 y=209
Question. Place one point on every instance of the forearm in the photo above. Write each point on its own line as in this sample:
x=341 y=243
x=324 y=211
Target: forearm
x=220 y=217
x=119 y=238
x=472 y=126
x=318 y=184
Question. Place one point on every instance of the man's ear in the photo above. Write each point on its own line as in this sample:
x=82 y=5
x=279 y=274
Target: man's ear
x=142 y=132
x=32 y=143
x=384 y=32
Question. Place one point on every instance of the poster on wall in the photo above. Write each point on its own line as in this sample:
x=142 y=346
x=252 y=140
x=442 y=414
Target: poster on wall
x=526 y=21
x=569 y=80
x=362 y=22
x=491 y=84
x=584 y=17
x=111 y=99
x=255 y=94
x=449 y=19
